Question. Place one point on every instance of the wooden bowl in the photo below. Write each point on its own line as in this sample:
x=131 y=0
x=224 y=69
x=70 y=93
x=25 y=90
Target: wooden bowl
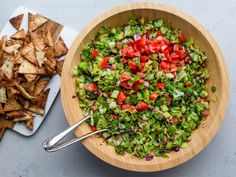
x=218 y=77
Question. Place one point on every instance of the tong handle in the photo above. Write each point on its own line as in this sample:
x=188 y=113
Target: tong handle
x=52 y=144
x=72 y=141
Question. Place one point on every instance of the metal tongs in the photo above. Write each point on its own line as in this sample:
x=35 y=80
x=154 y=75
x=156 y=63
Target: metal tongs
x=53 y=144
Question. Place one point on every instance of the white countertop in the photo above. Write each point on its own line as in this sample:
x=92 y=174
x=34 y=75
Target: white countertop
x=25 y=157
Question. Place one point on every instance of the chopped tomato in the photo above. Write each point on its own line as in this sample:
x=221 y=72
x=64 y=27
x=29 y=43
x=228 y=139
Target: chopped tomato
x=164 y=66
x=103 y=64
x=93 y=128
x=132 y=65
x=164 y=47
x=126 y=85
x=135 y=86
x=166 y=53
x=125 y=106
x=159 y=33
x=128 y=51
x=113 y=116
x=174 y=56
x=181 y=54
x=91 y=87
x=160 y=85
x=186 y=59
x=181 y=37
x=142 y=106
x=142 y=40
x=94 y=53
x=141 y=81
x=188 y=84
x=123 y=60
x=121 y=97
x=94 y=107
x=143 y=59
x=176 y=47
x=132 y=109
x=125 y=77
x=137 y=54
x=205 y=113
x=153 y=96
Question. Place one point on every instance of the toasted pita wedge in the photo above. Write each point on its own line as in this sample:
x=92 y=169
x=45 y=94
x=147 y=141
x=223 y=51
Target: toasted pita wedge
x=47 y=35
x=42 y=98
x=30 y=123
x=40 y=57
x=12 y=91
x=3 y=95
x=40 y=85
x=18 y=60
x=59 y=66
x=4 y=124
x=29 y=87
x=15 y=114
x=50 y=52
x=50 y=62
x=26 y=104
x=1 y=109
x=36 y=109
x=35 y=21
x=28 y=52
x=7 y=67
x=12 y=105
x=28 y=38
x=28 y=68
x=12 y=49
x=2 y=44
x=38 y=41
x=60 y=48
x=2 y=77
x=30 y=77
x=19 y=35
x=16 y=21
x=24 y=92
x=50 y=71
x=24 y=118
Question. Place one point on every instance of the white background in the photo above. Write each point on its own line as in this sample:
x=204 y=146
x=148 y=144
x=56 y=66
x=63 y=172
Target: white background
x=24 y=156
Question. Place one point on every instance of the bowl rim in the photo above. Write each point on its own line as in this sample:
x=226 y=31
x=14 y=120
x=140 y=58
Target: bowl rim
x=225 y=87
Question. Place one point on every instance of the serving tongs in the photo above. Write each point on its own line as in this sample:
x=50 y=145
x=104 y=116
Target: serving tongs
x=53 y=144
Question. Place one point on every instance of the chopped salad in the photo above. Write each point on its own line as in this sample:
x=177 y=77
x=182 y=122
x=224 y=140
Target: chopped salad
x=146 y=83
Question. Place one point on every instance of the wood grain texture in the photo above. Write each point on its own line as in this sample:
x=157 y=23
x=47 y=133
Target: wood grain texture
x=218 y=77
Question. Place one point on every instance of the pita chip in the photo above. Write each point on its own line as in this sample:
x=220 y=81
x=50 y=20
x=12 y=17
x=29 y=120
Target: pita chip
x=12 y=105
x=13 y=48
x=28 y=52
x=40 y=85
x=59 y=66
x=16 y=21
x=40 y=57
x=3 y=95
x=19 y=35
x=30 y=77
x=35 y=21
x=7 y=67
x=38 y=41
x=36 y=109
x=60 y=48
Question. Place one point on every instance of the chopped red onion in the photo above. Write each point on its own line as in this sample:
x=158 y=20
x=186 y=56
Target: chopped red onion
x=146 y=83
x=109 y=66
x=176 y=149
x=136 y=37
x=149 y=157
